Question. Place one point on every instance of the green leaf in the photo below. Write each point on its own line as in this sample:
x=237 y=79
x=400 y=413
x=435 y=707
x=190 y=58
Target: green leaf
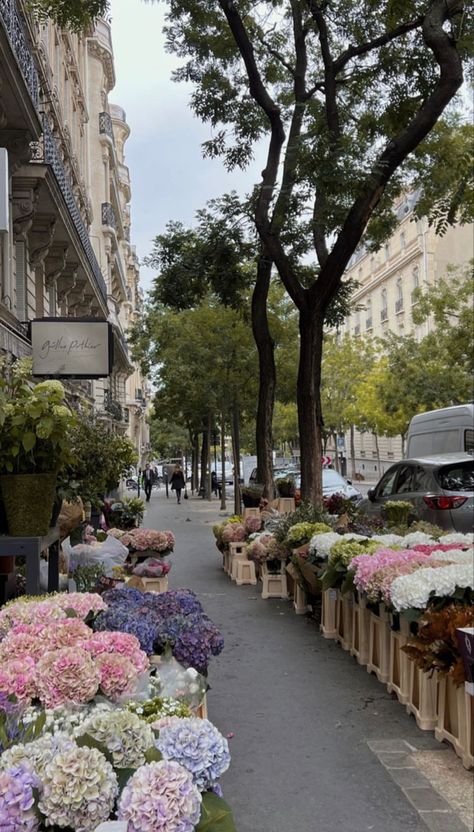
x=216 y=815
x=86 y=741
x=29 y=440
x=153 y=755
x=123 y=776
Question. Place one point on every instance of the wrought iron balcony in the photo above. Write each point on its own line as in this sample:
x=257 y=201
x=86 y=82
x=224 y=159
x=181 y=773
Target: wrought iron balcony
x=112 y=406
x=14 y=28
x=105 y=125
x=108 y=215
x=384 y=314
x=46 y=153
x=399 y=305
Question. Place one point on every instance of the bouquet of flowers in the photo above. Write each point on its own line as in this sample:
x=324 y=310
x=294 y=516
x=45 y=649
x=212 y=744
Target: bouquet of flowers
x=143 y=540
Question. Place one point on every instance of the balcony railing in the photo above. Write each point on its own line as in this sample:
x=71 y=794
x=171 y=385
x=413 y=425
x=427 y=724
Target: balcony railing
x=399 y=305
x=105 y=125
x=14 y=28
x=46 y=153
x=112 y=406
x=384 y=315
x=108 y=215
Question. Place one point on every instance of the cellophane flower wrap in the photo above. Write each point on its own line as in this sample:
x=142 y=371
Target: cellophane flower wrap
x=124 y=735
x=160 y=797
x=152 y=568
x=198 y=746
x=79 y=789
x=142 y=540
x=17 y=801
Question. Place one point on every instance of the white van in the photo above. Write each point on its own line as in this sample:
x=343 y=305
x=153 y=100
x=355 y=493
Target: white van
x=441 y=431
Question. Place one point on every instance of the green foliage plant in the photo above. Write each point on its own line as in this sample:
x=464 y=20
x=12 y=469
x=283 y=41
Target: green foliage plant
x=305 y=513
x=397 y=512
x=34 y=423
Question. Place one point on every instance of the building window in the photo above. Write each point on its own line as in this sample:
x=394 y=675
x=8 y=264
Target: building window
x=386 y=252
x=403 y=241
x=399 y=300
x=20 y=280
x=368 y=315
x=384 y=308
x=415 y=284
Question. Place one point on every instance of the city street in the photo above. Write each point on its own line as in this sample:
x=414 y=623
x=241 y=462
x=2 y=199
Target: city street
x=299 y=710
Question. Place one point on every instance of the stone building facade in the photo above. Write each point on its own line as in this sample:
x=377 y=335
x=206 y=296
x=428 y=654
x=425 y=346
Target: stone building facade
x=414 y=257
x=67 y=249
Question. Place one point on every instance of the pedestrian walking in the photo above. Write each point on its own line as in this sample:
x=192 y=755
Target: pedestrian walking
x=148 y=478
x=177 y=482
x=215 y=485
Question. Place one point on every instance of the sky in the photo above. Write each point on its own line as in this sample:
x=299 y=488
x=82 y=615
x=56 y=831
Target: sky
x=170 y=178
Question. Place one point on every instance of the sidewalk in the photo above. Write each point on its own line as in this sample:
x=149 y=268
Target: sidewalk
x=302 y=712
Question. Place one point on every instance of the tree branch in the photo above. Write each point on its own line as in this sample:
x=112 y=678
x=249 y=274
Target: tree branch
x=397 y=150
x=332 y=112
x=363 y=48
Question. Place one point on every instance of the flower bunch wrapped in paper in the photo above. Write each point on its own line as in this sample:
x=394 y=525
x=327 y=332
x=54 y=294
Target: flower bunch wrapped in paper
x=151 y=568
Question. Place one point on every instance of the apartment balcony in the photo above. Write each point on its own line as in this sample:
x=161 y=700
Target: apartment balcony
x=108 y=215
x=384 y=315
x=105 y=126
x=399 y=306
x=112 y=407
x=20 y=81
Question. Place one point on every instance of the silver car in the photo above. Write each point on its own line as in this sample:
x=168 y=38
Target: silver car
x=440 y=487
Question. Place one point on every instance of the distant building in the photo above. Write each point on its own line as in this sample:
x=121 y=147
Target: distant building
x=67 y=251
x=413 y=257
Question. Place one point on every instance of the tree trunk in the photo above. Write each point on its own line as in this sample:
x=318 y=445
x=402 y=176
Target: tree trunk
x=353 y=453
x=223 y=503
x=204 y=458
x=377 y=449
x=337 y=461
x=236 y=457
x=403 y=438
x=267 y=377
x=208 y=480
x=310 y=420
x=195 y=463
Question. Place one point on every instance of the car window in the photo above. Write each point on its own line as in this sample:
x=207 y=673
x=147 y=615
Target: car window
x=405 y=480
x=459 y=477
x=469 y=439
x=332 y=479
x=385 y=486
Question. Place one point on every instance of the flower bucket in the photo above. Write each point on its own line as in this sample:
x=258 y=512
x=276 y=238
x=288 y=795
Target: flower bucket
x=28 y=501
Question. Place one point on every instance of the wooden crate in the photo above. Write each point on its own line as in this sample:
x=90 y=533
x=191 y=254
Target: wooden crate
x=399 y=668
x=379 y=645
x=331 y=599
x=423 y=698
x=344 y=620
x=455 y=720
x=273 y=583
x=360 y=631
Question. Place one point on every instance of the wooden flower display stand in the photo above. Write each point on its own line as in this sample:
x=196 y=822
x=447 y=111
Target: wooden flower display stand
x=148 y=584
x=241 y=569
x=273 y=583
x=376 y=641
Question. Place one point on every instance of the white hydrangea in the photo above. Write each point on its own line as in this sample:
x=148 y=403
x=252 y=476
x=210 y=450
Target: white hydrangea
x=415 y=589
x=457 y=537
x=36 y=755
x=389 y=540
x=415 y=538
x=320 y=544
x=123 y=733
x=454 y=555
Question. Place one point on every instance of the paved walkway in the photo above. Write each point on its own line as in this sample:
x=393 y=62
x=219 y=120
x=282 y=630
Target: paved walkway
x=301 y=710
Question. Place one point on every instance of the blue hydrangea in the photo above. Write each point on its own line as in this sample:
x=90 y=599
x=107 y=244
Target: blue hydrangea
x=198 y=746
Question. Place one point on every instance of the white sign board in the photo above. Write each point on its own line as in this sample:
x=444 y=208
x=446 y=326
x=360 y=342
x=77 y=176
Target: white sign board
x=71 y=347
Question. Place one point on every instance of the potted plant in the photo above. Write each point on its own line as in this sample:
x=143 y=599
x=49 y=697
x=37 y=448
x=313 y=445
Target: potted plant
x=286 y=487
x=251 y=496
x=34 y=446
x=124 y=514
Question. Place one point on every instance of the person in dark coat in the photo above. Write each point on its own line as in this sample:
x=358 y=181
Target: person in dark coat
x=177 y=482
x=148 y=480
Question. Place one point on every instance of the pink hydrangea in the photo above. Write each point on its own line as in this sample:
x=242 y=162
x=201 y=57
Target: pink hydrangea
x=122 y=644
x=253 y=524
x=18 y=678
x=234 y=533
x=83 y=603
x=140 y=540
x=365 y=566
x=429 y=548
x=29 y=612
x=67 y=675
x=118 y=675
x=20 y=641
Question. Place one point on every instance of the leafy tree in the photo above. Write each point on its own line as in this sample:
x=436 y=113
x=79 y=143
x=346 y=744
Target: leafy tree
x=342 y=94
x=76 y=15
x=370 y=414
x=285 y=423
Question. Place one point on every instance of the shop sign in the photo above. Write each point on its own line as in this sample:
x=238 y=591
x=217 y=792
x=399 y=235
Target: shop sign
x=71 y=347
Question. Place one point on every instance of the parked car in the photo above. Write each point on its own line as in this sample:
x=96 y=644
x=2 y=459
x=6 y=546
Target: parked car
x=333 y=483
x=278 y=473
x=447 y=430
x=441 y=489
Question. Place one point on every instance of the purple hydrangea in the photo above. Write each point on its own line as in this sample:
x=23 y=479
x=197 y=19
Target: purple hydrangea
x=17 y=803
x=126 y=621
x=198 y=746
x=160 y=797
